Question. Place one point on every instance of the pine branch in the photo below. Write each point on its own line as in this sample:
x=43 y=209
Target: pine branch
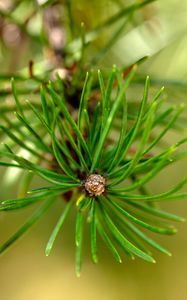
x=78 y=166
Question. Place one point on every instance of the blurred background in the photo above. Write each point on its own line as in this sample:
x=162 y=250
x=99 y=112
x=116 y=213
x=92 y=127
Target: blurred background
x=43 y=36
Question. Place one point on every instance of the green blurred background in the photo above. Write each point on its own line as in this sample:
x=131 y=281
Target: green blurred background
x=158 y=31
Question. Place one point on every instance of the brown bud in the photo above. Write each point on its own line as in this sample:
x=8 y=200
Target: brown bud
x=95 y=185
